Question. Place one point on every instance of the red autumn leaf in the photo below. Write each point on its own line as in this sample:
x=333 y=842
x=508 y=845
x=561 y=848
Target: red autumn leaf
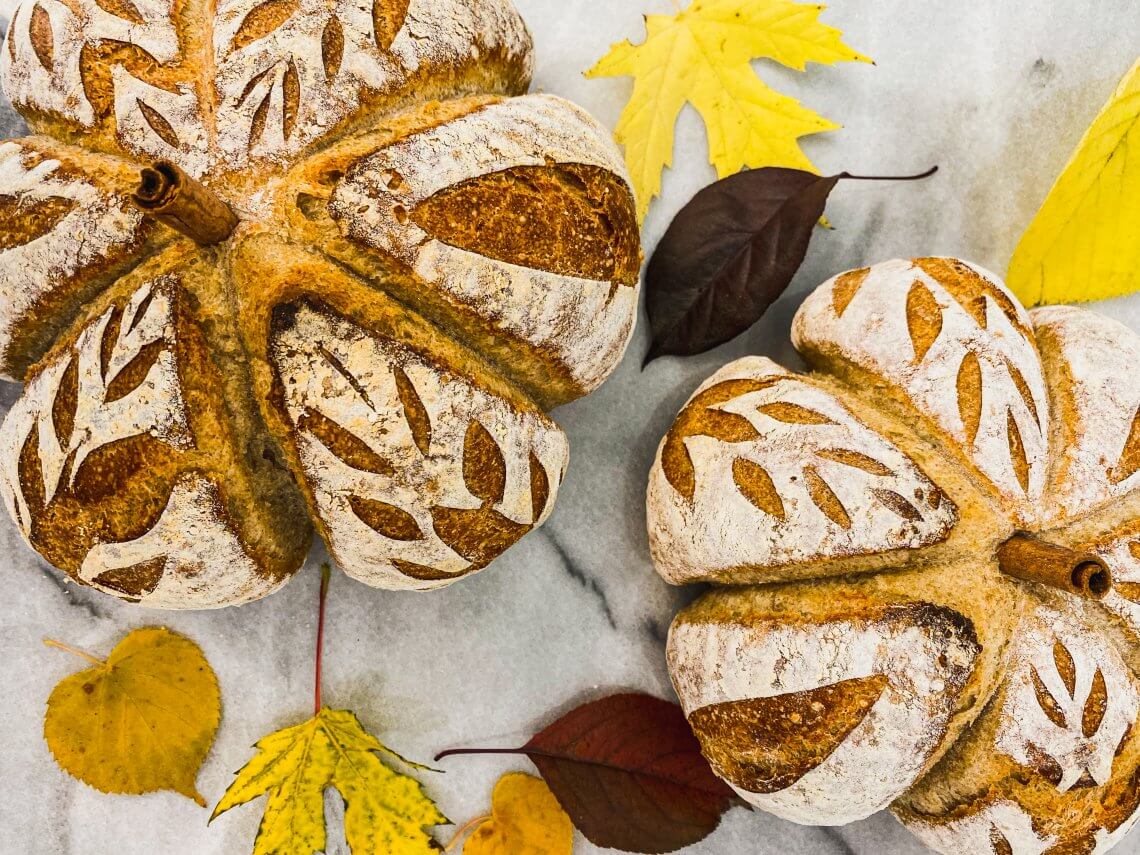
x=629 y=772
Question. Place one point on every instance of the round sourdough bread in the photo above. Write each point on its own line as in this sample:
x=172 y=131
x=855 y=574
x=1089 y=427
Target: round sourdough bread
x=417 y=261
x=883 y=647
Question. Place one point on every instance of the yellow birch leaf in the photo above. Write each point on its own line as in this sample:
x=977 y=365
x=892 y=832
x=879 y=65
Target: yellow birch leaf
x=702 y=55
x=386 y=813
x=525 y=819
x=139 y=722
x=1084 y=243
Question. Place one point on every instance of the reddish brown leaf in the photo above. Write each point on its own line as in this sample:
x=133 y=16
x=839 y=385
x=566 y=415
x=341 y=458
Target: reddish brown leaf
x=629 y=772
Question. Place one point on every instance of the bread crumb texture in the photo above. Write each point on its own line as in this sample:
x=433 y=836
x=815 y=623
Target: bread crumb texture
x=876 y=656
x=426 y=261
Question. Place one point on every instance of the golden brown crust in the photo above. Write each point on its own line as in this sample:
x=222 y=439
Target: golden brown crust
x=824 y=702
x=223 y=88
x=507 y=215
x=571 y=220
x=1054 y=760
x=154 y=346
x=46 y=277
x=162 y=414
x=764 y=745
x=1023 y=422
x=289 y=296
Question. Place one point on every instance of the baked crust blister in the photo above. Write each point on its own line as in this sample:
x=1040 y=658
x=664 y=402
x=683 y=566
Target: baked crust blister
x=423 y=264
x=992 y=714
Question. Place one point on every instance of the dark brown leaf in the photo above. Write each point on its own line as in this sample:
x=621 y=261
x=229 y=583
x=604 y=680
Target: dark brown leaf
x=629 y=772
x=729 y=254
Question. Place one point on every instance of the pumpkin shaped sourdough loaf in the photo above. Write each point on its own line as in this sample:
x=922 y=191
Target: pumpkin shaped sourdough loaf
x=359 y=267
x=935 y=539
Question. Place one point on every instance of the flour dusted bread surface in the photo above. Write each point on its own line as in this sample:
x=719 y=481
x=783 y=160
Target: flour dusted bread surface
x=1053 y=764
x=1089 y=360
x=822 y=703
x=420 y=464
x=1018 y=736
x=216 y=88
x=126 y=463
x=947 y=341
x=67 y=229
x=763 y=450
x=454 y=217
x=415 y=265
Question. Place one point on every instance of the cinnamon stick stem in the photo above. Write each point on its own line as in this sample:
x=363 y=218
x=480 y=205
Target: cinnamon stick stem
x=171 y=196
x=1026 y=557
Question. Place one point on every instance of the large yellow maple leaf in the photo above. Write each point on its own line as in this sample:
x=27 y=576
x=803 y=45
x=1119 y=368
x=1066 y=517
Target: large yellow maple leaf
x=703 y=55
x=1084 y=243
x=386 y=813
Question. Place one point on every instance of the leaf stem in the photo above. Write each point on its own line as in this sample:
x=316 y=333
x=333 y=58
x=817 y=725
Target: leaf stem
x=323 y=599
x=553 y=755
x=917 y=177
x=470 y=826
x=455 y=752
x=51 y=642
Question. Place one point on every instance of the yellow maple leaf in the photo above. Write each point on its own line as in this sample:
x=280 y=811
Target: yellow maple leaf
x=141 y=721
x=386 y=813
x=702 y=55
x=1084 y=243
x=525 y=819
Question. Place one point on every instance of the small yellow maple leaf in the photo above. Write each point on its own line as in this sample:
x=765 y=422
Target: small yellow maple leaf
x=141 y=721
x=702 y=55
x=525 y=819
x=386 y=813
x=1084 y=243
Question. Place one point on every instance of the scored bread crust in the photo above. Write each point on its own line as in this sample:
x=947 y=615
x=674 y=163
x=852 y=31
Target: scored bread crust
x=422 y=266
x=964 y=333
x=411 y=216
x=1024 y=421
x=419 y=463
x=129 y=463
x=822 y=702
x=1066 y=712
x=67 y=230
x=806 y=478
x=247 y=83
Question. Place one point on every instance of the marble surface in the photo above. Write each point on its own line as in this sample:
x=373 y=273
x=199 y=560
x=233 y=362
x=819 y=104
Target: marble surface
x=995 y=93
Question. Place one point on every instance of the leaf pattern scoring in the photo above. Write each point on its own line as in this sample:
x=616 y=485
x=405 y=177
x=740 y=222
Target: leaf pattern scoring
x=410 y=493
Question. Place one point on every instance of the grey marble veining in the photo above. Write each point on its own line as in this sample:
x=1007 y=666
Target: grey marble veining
x=995 y=93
